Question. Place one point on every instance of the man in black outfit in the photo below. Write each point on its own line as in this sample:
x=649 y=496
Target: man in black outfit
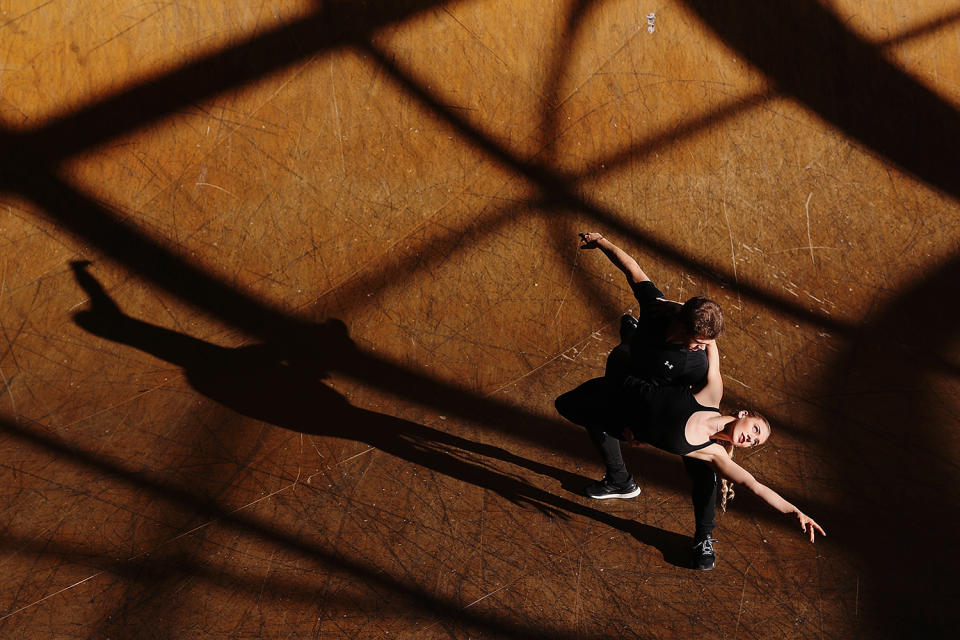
x=664 y=345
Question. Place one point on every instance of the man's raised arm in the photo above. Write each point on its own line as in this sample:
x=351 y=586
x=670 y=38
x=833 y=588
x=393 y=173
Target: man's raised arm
x=620 y=259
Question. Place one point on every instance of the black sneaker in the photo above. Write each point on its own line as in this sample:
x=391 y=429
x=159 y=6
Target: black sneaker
x=606 y=489
x=703 y=556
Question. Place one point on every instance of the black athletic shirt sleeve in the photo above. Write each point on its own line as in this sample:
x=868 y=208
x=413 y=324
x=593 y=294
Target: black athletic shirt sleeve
x=646 y=293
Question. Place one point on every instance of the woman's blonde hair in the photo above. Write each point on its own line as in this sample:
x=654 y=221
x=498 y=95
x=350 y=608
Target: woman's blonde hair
x=726 y=487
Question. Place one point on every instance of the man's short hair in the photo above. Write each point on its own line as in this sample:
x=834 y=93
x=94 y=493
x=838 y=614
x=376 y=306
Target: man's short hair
x=702 y=318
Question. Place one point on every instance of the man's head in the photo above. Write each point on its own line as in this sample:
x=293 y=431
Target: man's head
x=702 y=322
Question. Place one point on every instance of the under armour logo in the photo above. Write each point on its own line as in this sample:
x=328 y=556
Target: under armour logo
x=667 y=364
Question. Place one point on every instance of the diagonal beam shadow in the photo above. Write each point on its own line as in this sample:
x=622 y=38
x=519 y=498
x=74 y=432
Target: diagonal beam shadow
x=92 y=115
x=240 y=305
x=166 y=269
x=920 y=30
x=241 y=64
x=735 y=107
x=561 y=233
x=335 y=24
x=275 y=327
x=131 y=568
x=98 y=123
x=269 y=323
x=868 y=392
x=688 y=128
x=413 y=595
x=277 y=311
x=573 y=23
x=570 y=199
x=101 y=112
x=148 y=239
x=556 y=190
x=90 y=221
x=150 y=568
x=862 y=94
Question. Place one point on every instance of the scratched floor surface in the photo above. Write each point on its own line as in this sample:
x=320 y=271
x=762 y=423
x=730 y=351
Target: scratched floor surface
x=287 y=289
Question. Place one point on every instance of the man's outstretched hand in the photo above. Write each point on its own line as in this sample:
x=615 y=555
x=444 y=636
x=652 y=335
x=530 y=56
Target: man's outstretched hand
x=589 y=240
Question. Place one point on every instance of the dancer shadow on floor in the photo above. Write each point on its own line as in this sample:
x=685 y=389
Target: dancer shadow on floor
x=284 y=386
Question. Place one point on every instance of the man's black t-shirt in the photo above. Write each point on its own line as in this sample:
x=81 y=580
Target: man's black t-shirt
x=653 y=358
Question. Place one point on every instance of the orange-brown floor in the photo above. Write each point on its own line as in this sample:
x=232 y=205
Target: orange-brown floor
x=287 y=289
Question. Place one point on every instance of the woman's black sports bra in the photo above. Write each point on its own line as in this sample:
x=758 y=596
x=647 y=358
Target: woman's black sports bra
x=658 y=415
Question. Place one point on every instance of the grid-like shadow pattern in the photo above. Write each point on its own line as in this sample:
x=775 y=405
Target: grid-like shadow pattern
x=832 y=86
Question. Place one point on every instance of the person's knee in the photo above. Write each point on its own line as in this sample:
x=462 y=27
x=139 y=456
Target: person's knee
x=569 y=406
x=577 y=405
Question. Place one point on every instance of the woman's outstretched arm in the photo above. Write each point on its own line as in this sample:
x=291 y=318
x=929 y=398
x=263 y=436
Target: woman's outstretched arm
x=725 y=466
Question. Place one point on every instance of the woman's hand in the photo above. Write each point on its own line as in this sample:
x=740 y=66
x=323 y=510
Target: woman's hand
x=589 y=240
x=808 y=525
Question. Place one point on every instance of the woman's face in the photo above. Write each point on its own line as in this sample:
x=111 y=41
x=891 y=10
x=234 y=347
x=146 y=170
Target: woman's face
x=749 y=431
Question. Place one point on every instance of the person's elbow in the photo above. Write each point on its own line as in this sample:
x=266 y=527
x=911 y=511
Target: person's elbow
x=746 y=480
x=635 y=277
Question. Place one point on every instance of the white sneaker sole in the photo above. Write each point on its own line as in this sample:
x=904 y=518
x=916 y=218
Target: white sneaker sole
x=622 y=496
